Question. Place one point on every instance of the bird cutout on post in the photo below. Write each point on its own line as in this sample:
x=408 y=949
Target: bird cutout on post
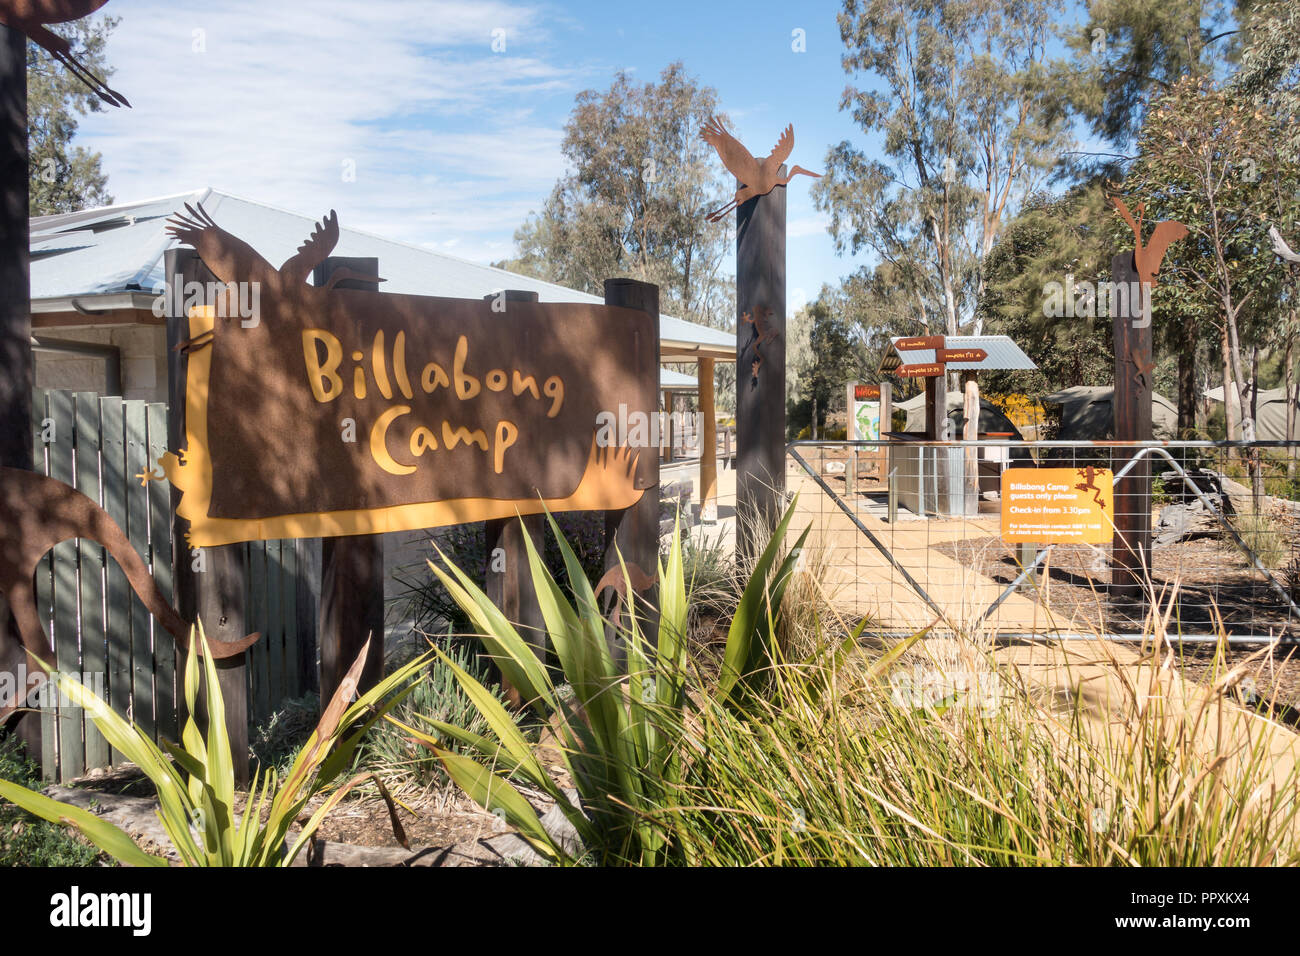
x=759 y=177
x=29 y=17
x=762 y=334
x=1147 y=258
x=452 y=422
x=36 y=513
x=1280 y=247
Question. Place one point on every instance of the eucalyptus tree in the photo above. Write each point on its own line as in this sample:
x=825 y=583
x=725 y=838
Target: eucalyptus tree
x=64 y=177
x=964 y=122
x=634 y=199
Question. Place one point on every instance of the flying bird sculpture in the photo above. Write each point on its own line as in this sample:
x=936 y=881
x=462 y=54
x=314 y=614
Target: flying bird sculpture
x=1147 y=258
x=759 y=177
x=29 y=18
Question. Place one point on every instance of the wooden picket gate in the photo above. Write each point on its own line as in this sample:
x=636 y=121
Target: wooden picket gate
x=100 y=629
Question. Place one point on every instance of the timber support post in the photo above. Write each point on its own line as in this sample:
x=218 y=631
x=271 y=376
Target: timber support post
x=508 y=579
x=760 y=367
x=352 y=566
x=208 y=583
x=1131 y=548
x=16 y=376
x=634 y=532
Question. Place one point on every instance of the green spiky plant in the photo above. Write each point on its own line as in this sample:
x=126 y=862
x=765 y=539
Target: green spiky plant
x=616 y=736
x=196 y=788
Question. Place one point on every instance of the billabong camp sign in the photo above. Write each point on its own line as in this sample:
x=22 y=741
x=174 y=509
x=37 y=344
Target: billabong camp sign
x=353 y=412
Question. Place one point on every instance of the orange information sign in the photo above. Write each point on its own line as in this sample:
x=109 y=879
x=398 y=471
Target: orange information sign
x=1058 y=505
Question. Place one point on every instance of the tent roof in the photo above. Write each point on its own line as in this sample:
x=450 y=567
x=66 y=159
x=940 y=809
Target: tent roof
x=1271 y=405
x=1086 y=413
x=992 y=418
x=118 y=250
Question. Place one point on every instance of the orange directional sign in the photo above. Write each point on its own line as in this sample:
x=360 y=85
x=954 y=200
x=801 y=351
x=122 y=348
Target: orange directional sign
x=919 y=342
x=1058 y=505
x=928 y=370
x=961 y=355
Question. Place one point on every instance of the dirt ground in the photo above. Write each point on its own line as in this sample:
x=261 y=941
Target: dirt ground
x=1217 y=591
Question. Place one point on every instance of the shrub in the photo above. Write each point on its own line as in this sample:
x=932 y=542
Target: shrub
x=26 y=840
x=429 y=605
x=198 y=809
x=436 y=696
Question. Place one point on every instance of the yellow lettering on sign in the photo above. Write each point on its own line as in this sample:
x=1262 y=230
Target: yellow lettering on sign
x=323 y=376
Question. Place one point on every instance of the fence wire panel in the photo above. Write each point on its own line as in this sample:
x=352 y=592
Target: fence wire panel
x=912 y=534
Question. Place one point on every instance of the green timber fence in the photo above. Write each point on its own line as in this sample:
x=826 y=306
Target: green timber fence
x=99 y=628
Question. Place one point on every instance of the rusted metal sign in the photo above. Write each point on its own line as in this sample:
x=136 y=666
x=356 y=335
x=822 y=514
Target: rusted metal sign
x=926 y=370
x=960 y=355
x=36 y=513
x=29 y=18
x=1148 y=257
x=919 y=342
x=344 y=412
x=865 y=393
x=760 y=177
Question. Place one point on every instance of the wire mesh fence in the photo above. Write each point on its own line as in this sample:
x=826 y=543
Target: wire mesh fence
x=1206 y=534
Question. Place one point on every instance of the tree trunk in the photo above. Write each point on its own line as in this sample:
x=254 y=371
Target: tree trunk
x=1187 y=387
x=1231 y=403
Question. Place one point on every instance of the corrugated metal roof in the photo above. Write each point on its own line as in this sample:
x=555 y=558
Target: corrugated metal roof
x=1003 y=353
x=120 y=248
x=677 y=381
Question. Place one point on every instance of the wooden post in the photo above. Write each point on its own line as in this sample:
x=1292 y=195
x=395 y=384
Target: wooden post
x=508 y=580
x=760 y=368
x=886 y=408
x=209 y=584
x=352 y=566
x=936 y=415
x=669 y=403
x=15 y=321
x=1131 y=548
x=634 y=531
x=971 y=432
x=708 y=443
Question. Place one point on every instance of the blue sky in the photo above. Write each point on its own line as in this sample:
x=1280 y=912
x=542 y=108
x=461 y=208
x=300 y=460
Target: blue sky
x=451 y=143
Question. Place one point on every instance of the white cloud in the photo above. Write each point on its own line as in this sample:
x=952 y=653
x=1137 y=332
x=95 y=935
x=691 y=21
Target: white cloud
x=281 y=96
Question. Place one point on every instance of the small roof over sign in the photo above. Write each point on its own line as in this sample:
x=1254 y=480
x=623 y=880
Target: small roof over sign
x=999 y=352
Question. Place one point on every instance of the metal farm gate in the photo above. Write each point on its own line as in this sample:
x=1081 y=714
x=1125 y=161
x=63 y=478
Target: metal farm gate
x=921 y=542
x=99 y=628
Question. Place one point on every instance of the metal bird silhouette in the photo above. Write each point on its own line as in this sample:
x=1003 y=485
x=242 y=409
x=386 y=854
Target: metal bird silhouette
x=1147 y=258
x=29 y=17
x=760 y=177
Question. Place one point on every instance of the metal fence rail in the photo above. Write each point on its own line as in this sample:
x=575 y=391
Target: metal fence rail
x=915 y=532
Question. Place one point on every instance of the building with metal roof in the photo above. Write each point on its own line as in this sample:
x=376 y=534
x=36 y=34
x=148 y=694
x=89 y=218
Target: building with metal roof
x=95 y=275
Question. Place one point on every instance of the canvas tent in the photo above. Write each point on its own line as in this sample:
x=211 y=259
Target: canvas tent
x=1270 y=423
x=1087 y=414
x=992 y=418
